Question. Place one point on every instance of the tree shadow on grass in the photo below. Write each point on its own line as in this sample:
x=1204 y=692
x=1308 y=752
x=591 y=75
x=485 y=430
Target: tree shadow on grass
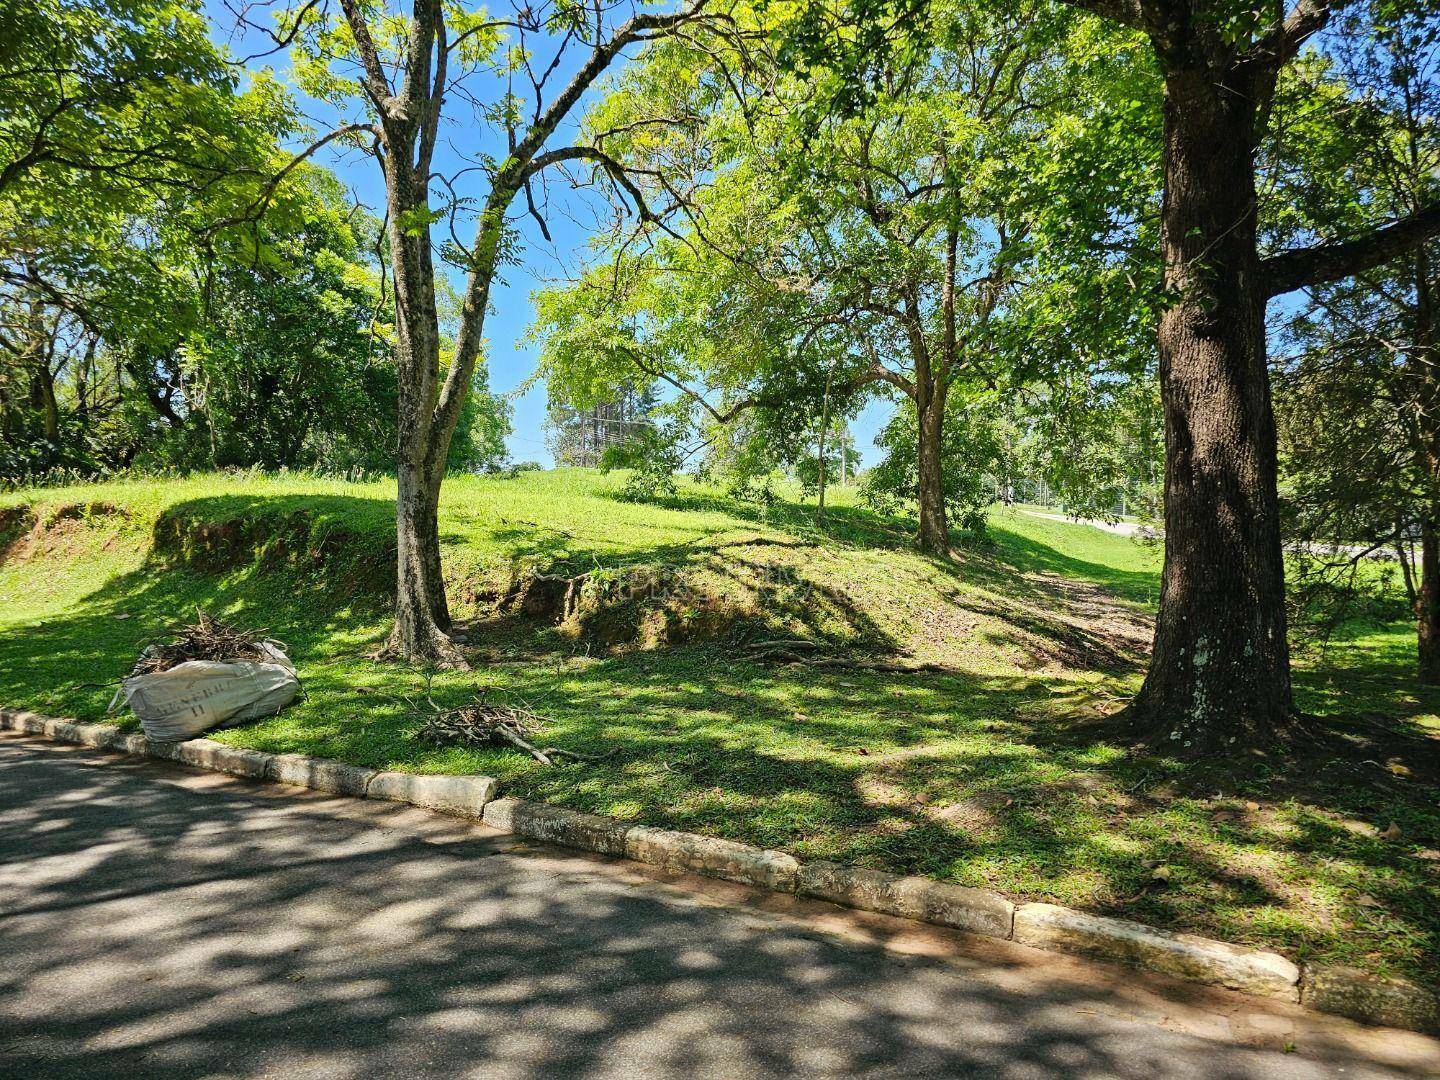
x=960 y=776
x=1015 y=552
x=862 y=527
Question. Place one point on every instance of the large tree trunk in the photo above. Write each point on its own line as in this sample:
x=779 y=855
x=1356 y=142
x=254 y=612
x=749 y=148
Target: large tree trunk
x=1220 y=674
x=1427 y=602
x=43 y=397
x=1426 y=382
x=422 y=615
x=934 y=534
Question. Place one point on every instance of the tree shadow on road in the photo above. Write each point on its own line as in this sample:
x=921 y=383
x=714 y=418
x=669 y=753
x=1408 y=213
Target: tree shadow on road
x=161 y=932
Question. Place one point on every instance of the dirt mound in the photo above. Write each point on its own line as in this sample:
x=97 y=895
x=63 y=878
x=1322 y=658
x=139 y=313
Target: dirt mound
x=26 y=533
x=643 y=606
x=88 y=511
x=15 y=523
x=296 y=539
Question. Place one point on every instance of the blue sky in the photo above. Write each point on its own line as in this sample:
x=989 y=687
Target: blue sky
x=570 y=218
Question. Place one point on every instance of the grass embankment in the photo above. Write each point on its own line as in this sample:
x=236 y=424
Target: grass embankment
x=965 y=774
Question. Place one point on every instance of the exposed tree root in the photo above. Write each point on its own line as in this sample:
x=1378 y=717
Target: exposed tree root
x=1150 y=731
x=437 y=650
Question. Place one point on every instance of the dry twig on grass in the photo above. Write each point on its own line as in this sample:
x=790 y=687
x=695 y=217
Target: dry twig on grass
x=492 y=723
x=206 y=638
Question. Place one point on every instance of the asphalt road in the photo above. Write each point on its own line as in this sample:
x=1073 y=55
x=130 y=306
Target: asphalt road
x=157 y=922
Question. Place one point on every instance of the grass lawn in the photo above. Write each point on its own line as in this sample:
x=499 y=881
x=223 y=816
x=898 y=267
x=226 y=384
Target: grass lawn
x=966 y=770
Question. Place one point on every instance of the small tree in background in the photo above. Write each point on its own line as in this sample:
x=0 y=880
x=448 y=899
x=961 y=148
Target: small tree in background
x=901 y=245
x=395 y=72
x=1358 y=389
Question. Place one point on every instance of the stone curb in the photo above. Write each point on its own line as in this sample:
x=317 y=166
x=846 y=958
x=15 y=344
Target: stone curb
x=726 y=859
x=1323 y=988
x=319 y=774
x=465 y=796
x=556 y=825
x=974 y=910
x=1047 y=926
x=216 y=756
x=1372 y=999
x=453 y=794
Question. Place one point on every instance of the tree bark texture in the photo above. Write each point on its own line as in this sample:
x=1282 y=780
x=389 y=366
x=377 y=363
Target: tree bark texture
x=934 y=536
x=1219 y=674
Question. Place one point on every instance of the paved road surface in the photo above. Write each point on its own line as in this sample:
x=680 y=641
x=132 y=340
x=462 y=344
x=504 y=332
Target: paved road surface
x=157 y=922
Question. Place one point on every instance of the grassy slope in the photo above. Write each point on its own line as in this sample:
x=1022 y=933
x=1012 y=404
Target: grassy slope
x=963 y=775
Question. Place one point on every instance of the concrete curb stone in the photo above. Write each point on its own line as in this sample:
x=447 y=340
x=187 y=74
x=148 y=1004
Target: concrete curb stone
x=63 y=730
x=557 y=825
x=218 y=757
x=100 y=736
x=1373 y=999
x=463 y=795
x=1048 y=926
x=975 y=910
x=27 y=723
x=715 y=858
x=320 y=774
x=165 y=751
x=133 y=743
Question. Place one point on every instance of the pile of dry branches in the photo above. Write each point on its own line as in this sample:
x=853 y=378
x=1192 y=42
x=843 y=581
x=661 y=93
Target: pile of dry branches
x=492 y=723
x=205 y=639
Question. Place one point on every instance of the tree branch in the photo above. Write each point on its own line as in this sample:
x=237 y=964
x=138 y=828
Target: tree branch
x=262 y=201
x=1278 y=48
x=615 y=170
x=1329 y=262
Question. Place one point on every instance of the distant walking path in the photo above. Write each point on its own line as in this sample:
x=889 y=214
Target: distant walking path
x=1121 y=528
x=164 y=923
x=1134 y=528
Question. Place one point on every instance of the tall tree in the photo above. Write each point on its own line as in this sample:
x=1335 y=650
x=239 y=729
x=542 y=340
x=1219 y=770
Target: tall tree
x=883 y=246
x=393 y=69
x=1219 y=674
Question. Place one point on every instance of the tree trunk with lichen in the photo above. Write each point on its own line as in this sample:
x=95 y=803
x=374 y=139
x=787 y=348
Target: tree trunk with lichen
x=1219 y=674
x=422 y=615
x=934 y=535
